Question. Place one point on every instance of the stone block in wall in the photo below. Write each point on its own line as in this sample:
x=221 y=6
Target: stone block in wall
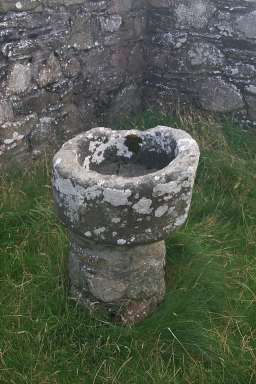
x=238 y=26
x=207 y=55
x=20 y=79
x=132 y=29
x=240 y=71
x=20 y=5
x=245 y=25
x=44 y=132
x=193 y=14
x=110 y=23
x=14 y=134
x=71 y=66
x=84 y=32
x=171 y=40
x=6 y=112
x=121 y=6
x=251 y=105
x=36 y=102
x=216 y=95
x=250 y=99
x=50 y=72
x=161 y=3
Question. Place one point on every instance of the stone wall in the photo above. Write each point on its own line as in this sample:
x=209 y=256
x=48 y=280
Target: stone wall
x=65 y=66
x=68 y=65
x=203 y=52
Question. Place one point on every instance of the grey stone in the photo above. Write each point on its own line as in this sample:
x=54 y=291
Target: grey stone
x=251 y=89
x=101 y=60
x=20 y=79
x=194 y=14
x=218 y=96
x=13 y=134
x=72 y=67
x=121 y=193
x=251 y=103
x=129 y=283
x=50 y=72
x=205 y=54
x=111 y=23
x=21 y=5
x=218 y=42
x=6 y=112
x=82 y=35
x=246 y=25
x=43 y=132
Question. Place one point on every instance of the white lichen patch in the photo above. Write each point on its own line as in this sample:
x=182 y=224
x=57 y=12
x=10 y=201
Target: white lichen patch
x=160 y=211
x=121 y=241
x=172 y=211
x=111 y=23
x=116 y=220
x=132 y=239
x=71 y=196
x=99 y=231
x=98 y=150
x=181 y=220
x=117 y=197
x=168 y=189
x=88 y=234
x=143 y=206
x=93 y=193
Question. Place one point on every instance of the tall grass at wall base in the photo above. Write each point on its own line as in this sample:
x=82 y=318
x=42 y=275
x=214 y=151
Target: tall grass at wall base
x=204 y=331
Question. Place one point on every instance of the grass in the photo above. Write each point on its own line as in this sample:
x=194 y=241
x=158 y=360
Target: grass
x=204 y=332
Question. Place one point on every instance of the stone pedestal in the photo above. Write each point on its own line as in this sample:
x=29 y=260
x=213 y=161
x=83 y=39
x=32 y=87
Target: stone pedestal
x=120 y=194
x=127 y=282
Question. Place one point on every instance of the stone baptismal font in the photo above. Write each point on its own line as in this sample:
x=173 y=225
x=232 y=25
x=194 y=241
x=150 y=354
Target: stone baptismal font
x=121 y=194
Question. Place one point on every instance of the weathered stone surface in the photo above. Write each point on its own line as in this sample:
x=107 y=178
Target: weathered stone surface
x=70 y=62
x=251 y=103
x=246 y=25
x=121 y=193
x=128 y=283
x=218 y=96
x=14 y=134
x=6 y=112
x=194 y=45
x=20 y=79
x=110 y=58
x=111 y=23
x=50 y=72
x=149 y=195
x=205 y=54
x=194 y=14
